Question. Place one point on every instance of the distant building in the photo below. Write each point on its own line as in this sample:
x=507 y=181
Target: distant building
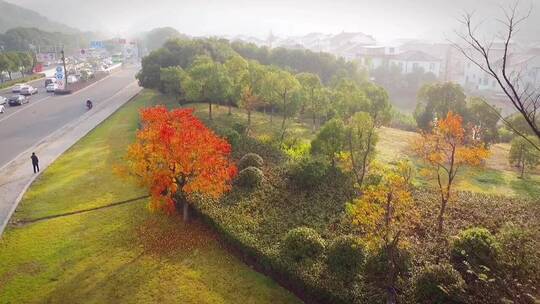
x=408 y=62
x=412 y=61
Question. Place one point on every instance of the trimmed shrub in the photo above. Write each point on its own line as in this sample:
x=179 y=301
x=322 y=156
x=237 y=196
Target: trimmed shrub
x=250 y=160
x=309 y=172
x=250 y=177
x=302 y=244
x=439 y=284
x=346 y=257
x=476 y=248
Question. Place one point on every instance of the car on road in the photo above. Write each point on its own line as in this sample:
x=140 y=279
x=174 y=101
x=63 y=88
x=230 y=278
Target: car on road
x=3 y=100
x=49 y=81
x=17 y=100
x=28 y=90
x=17 y=88
x=51 y=87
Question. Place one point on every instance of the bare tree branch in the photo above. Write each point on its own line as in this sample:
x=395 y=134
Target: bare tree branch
x=510 y=82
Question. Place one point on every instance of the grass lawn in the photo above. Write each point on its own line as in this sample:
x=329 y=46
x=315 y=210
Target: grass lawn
x=120 y=254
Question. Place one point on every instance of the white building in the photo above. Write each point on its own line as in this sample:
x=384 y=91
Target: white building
x=412 y=61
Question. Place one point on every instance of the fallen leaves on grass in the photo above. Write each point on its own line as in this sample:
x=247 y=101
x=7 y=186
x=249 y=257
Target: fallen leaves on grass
x=169 y=235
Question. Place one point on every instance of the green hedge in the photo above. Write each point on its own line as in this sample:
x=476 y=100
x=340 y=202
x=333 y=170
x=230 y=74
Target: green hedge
x=254 y=223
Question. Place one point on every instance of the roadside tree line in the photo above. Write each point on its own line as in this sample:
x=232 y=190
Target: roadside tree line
x=13 y=62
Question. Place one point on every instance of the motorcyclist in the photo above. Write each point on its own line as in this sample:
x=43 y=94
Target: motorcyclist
x=89 y=104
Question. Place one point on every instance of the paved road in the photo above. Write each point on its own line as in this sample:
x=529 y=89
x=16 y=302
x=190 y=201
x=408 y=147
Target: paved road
x=67 y=112
x=24 y=126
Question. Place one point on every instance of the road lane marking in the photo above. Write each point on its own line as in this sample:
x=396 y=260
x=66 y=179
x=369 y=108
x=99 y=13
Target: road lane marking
x=30 y=104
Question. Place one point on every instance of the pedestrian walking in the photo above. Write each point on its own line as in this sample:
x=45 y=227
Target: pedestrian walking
x=2 y=109
x=35 y=162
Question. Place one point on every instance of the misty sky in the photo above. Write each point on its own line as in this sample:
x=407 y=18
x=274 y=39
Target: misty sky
x=385 y=19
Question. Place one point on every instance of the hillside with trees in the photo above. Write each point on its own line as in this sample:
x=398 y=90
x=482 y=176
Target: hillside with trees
x=12 y=16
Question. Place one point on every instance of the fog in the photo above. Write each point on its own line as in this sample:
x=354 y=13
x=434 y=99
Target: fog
x=384 y=19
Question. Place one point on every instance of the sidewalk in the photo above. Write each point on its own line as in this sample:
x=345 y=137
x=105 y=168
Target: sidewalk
x=17 y=175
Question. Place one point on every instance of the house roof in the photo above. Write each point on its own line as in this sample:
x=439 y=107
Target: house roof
x=415 y=56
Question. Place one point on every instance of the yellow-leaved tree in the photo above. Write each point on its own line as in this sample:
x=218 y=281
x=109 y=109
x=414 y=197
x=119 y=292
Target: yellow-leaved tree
x=446 y=149
x=383 y=212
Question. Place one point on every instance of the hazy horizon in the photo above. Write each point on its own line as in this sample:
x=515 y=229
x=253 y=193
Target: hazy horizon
x=385 y=20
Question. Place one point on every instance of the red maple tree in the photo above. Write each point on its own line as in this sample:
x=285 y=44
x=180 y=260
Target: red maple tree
x=176 y=156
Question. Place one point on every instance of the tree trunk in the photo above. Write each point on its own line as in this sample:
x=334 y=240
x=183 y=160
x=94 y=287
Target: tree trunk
x=210 y=110
x=185 y=212
x=10 y=77
x=440 y=218
x=522 y=168
x=230 y=108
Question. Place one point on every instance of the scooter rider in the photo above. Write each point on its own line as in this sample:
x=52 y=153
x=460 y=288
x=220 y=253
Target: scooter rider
x=89 y=104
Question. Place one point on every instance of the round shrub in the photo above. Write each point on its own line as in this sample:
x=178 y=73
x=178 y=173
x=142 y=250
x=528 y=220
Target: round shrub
x=474 y=247
x=309 y=172
x=250 y=177
x=378 y=265
x=301 y=244
x=251 y=160
x=346 y=256
x=439 y=284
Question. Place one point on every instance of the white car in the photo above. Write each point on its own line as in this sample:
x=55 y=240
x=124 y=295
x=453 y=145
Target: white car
x=3 y=100
x=28 y=90
x=51 y=87
x=17 y=88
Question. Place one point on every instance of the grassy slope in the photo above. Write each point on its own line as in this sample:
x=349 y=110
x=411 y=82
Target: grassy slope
x=122 y=254
x=497 y=177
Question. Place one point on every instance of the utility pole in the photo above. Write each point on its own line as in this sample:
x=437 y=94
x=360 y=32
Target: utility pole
x=65 y=69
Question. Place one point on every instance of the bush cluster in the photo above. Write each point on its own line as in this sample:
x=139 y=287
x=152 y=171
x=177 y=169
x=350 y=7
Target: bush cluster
x=346 y=257
x=439 y=284
x=308 y=172
x=251 y=160
x=302 y=244
x=250 y=177
x=476 y=248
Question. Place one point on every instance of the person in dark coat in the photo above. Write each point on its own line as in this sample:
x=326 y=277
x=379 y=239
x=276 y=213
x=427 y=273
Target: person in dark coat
x=35 y=162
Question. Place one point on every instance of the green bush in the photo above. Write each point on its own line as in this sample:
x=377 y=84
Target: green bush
x=474 y=249
x=439 y=284
x=519 y=256
x=302 y=244
x=251 y=160
x=505 y=135
x=239 y=127
x=403 y=121
x=308 y=172
x=378 y=266
x=250 y=177
x=346 y=257
x=232 y=137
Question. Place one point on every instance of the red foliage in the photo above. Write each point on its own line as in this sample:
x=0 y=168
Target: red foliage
x=175 y=153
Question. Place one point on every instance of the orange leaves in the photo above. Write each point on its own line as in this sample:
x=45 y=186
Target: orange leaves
x=447 y=146
x=175 y=153
x=445 y=149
